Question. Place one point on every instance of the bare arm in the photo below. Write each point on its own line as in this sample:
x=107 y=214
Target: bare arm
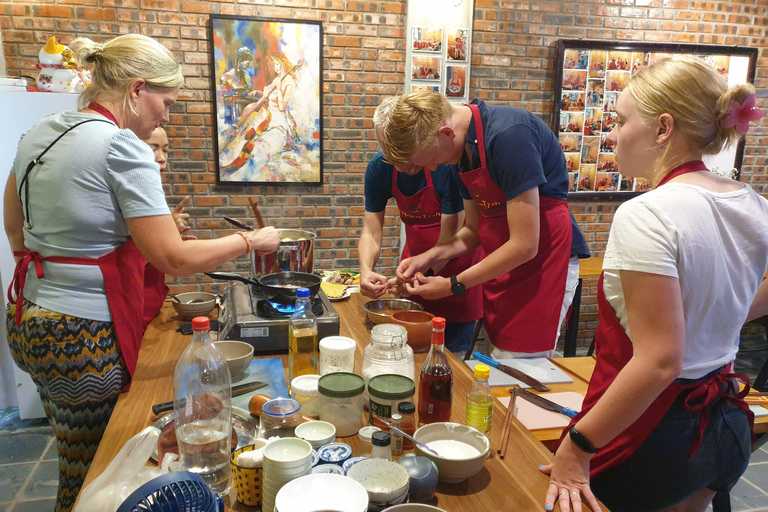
x=13 y=216
x=369 y=249
x=760 y=303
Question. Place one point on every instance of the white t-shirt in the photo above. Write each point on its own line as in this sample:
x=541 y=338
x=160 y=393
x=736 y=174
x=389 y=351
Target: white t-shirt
x=716 y=244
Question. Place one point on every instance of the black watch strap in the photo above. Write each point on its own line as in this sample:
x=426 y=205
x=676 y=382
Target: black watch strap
x=581 y=441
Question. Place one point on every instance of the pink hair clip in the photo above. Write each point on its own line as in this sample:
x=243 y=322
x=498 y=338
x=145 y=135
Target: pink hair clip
x=740 y=114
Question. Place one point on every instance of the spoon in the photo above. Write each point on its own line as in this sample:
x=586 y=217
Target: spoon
x=407 y=436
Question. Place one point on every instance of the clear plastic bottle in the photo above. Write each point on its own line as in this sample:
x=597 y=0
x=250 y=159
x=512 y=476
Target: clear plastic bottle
x=202 y=391
x=480 y=401
x=302 y=338
x=436 y=379
x=397 y=437
x=380 y=448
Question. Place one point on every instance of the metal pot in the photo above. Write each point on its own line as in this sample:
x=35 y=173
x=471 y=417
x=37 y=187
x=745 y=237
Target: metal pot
x=296 y=253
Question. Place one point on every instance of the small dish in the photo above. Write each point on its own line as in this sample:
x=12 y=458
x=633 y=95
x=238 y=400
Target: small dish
x=192 y=304
x=288 y=452
x=334 y=453
x=316 y=433
x=328 y=468
x=314 y=458
x=238 y=355
x=351 y=462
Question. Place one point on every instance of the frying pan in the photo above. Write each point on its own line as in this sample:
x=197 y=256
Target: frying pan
x=280 y=286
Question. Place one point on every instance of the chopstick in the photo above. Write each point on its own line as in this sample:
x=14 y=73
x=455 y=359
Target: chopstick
x=256 y=212
x=507 y=423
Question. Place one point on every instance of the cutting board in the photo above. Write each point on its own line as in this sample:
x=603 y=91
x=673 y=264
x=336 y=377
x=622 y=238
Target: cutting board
x=759 y=411
x=534 y=417
x=268 y=370
x=540 y=368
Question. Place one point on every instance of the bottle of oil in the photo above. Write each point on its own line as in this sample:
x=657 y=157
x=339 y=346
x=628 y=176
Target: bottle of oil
x=480 y=401
x=302 y=338
x=436 y=380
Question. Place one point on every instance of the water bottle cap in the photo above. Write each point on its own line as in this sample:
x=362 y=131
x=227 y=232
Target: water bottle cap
x=201 y=323
x=438 y=323
x=482 y=371
x=302 y=293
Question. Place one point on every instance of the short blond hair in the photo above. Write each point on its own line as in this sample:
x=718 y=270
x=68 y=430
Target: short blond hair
x=117 y=63
x=381 y=116
x=413 y=124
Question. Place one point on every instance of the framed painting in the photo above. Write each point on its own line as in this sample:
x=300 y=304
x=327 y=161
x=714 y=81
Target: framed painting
x=266 y=77
x=591 y=75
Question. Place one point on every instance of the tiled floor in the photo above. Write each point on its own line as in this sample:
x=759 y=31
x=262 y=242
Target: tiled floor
x=29 y=468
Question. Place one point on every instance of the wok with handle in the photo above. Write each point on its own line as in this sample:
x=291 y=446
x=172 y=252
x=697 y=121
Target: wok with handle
x=279 y=287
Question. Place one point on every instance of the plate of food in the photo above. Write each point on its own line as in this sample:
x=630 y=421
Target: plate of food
x=336 y=292
x=345 y=277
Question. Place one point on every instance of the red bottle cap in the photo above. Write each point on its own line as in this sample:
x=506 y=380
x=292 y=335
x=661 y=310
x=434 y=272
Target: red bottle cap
x=438 y=323
x=201 y=323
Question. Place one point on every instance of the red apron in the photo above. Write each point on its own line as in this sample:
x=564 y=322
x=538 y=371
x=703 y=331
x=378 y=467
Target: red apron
x=521 y=307
x=421 y=215
x=155 y=292
x=614 y=350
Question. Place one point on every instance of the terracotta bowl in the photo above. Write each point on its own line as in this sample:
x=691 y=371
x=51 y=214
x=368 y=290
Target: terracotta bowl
x=419 y=327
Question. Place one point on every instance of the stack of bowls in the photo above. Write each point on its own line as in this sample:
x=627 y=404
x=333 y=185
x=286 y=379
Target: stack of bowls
x=284 y=460
x=385 y=482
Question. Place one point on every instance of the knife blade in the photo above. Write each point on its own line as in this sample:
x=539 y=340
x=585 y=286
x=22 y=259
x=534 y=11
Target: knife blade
x=241 y=225
x=513 y=372
x=238 y=390
x=545 y=403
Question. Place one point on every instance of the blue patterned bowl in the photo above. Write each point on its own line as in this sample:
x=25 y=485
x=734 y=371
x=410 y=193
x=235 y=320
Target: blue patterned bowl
x=334 y=453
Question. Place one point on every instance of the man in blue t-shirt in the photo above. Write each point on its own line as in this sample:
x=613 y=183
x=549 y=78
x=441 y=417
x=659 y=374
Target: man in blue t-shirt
x=515 y=185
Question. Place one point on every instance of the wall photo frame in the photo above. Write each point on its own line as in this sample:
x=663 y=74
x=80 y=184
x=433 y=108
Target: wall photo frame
x=591 y=75
x=266 y=80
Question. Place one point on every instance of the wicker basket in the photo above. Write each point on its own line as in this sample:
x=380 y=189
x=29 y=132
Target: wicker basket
x=247 y=480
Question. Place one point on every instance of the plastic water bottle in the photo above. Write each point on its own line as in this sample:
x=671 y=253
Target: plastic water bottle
x=302 y=338
x=202 y=390
x=480 y=401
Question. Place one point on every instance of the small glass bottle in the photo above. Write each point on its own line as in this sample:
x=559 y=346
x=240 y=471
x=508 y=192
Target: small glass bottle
x=436 y=379
x=202 y=404
x=381 y=442
x=407 y=411
x=302 y=338
x=397 y=437
x=480 y=401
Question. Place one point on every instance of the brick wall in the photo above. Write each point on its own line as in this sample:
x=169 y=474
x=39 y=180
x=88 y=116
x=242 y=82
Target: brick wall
x=514 y=50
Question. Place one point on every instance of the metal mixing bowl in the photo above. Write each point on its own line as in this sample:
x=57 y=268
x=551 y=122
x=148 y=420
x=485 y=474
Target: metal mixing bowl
x=379 y=310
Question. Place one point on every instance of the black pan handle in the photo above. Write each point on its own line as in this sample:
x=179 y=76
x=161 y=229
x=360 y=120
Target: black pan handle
x=231 y=276
x=241 y=225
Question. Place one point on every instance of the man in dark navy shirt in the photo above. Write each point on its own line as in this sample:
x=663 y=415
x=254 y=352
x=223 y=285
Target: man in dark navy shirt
x=515 y=184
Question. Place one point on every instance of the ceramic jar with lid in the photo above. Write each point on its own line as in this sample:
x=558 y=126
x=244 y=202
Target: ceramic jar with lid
x=388 y=353
x=341 y=402
x=386 y=392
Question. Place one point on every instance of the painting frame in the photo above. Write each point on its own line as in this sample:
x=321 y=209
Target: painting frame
x=266 y=86
x=614 y=63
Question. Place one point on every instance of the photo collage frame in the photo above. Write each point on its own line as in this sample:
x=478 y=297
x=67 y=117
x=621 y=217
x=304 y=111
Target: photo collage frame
x=591 y=75
x=439 y=61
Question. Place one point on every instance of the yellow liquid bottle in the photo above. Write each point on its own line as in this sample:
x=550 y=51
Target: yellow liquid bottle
x=302 y=338
x=480 y=401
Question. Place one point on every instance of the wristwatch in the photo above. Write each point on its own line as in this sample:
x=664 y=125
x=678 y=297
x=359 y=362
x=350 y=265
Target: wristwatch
x=581 y=441
x=456 y=287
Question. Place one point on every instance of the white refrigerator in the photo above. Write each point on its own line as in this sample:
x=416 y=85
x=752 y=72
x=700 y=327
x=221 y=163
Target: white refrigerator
x=21 y=110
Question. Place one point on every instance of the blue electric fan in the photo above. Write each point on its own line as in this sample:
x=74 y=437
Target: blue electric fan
x=180 y=491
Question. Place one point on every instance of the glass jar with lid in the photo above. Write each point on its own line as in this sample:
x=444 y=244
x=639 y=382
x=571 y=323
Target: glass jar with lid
x=341 y=402
x=388 y=353
x=386 y=392
x=279 y=418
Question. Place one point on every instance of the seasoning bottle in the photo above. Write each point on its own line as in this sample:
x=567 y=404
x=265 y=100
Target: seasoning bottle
x=436 y=379
x=397 y=437
x=302 y=338
x=480 y=401
x=407 y=411
x=381 y=445
x=202 y=404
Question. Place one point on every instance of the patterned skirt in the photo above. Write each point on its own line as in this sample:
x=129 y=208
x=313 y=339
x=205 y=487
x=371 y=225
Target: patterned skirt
x=79 y=371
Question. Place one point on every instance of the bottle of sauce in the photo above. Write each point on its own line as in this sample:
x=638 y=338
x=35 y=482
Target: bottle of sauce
x=407 y=411
x=302 y=338
x=480 y=401
x=202 y=403
x=436 y=380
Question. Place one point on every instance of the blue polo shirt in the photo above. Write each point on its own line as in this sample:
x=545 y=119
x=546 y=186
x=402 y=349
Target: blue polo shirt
x=522 y=152
x=378 y=186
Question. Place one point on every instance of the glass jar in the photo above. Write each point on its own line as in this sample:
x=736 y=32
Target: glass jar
x=304 y=391
x=388 y=353
x=279 y=418
x=341 y=402
x=386 y=392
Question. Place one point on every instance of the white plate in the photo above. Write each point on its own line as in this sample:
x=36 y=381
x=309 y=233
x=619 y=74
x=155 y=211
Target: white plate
x=347 y=292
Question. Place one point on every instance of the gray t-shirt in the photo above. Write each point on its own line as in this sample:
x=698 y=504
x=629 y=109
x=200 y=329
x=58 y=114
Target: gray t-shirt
x=90 y=181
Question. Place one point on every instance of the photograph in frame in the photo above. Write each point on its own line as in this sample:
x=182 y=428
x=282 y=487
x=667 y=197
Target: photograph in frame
x=427 y=39
x=425 y=67
x=457 y=41
x=456 y=81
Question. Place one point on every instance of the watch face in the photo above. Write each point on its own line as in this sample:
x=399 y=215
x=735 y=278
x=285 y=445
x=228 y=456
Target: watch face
x=456 y=287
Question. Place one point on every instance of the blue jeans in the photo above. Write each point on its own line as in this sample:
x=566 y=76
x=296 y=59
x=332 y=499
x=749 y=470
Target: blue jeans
x=660 y=473
x=458 y=335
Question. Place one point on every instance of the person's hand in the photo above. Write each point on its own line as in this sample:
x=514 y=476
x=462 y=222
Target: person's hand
x=373 y=285
x=430 y=288
x=408 y=267
x=396 y=288
x=569 y=479
x=181 y=219
x=265 y=240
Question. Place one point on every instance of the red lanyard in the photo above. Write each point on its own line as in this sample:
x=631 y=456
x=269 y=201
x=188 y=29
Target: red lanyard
x=694 y=166
x=101 y=109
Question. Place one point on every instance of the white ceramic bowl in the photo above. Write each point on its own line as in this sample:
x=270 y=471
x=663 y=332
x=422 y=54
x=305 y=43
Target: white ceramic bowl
x=322 y=492
x=238 y=355
x=414 y=507
x=288 y=452
x=385 y=482
x=449 y=469
x=316 y=433
x=192 y=304
x=283 y=475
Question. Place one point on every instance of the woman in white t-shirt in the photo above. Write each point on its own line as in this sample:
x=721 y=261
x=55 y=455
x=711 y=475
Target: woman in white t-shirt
x=662 y=425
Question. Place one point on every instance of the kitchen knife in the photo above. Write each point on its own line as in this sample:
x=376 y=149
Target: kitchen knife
x=545 y=404
x=238 y=390
x=513 y=372
x=241 y=225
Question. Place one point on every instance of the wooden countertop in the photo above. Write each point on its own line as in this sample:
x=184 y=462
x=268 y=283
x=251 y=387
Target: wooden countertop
x=513 y=483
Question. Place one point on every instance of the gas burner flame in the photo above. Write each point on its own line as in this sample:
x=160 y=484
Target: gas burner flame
x=282 y=308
